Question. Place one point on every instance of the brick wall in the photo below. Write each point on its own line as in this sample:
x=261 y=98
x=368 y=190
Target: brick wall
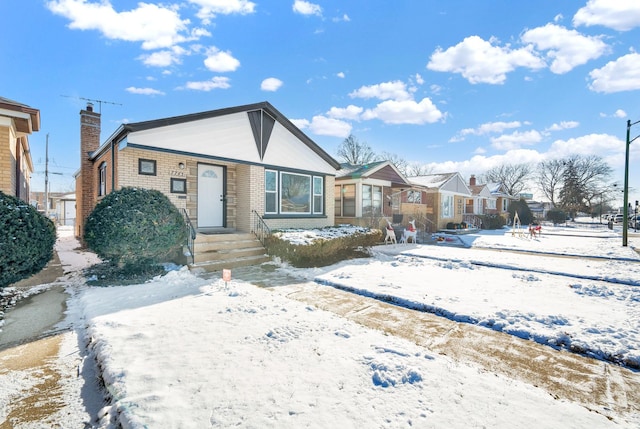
x=7 y=162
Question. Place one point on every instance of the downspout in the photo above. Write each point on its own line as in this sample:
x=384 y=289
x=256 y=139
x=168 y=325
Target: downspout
x=113 y=167
x=17 y=173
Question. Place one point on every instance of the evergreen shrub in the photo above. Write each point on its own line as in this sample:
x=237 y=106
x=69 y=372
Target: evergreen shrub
x=26 y=240
x=323 y=252
x=492 y=221
x=134 y=227
x=556 y=216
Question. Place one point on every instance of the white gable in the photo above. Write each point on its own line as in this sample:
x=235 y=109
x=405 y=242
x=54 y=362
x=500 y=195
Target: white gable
x=456 y=185
x=230 y=137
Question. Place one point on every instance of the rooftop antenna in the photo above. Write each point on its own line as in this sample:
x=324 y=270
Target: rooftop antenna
x=95 y=101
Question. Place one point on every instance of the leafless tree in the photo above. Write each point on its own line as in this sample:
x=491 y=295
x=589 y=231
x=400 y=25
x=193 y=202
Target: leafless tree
x=513 y=176
x=400 y=163
x=549 y=177
x=589 y=176
x=355 y=152
x=418 y=169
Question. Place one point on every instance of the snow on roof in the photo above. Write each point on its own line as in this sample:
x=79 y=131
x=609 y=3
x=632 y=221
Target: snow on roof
x=432 y=180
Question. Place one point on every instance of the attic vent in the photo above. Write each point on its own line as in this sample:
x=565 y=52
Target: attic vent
x=261 y=126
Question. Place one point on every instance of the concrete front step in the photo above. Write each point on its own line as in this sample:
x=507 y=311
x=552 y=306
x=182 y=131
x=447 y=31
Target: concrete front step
x=217 y=251
x=230 y=263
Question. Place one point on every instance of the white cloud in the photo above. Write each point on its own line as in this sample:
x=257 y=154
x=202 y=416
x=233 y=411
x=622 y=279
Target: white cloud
x=217 y=82
x=620 y=75
x=155 y=26
x=144 y=91
x=210 y=8
x=271 y=84
x=621 y=15
x=479 y=61
x=565 y=48
x=396 y=90
x=341 y=75
x=405 y=112
x=620 y=113
x=306 y=8
x=516 y=140
x=564 y=125
x=220 y=61
x=321 y=125
x=164 y=58
x=343 y=18
x=611 y=148
x=350 y=112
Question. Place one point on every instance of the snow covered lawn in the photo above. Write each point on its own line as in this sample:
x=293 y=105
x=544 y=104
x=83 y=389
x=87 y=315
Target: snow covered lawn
x=183 y=351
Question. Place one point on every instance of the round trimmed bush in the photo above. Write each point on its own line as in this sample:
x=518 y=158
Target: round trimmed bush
x=135 y=226
x=26 y=240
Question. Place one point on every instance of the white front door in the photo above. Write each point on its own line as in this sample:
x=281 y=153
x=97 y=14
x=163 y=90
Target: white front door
x=210 y=196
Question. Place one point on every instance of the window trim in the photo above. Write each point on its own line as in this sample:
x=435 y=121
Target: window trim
x=313 y=212
x=102 y=179
x=145 y=164
x=183 y=187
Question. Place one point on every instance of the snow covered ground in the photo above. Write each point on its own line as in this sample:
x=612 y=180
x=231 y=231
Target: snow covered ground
x=190 y=351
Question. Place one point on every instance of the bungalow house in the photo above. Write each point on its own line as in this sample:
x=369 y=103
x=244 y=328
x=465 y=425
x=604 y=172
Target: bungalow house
x=227 y=170
x=368 y=194
x=502 y=197
x=17 y=122
x=446 y=194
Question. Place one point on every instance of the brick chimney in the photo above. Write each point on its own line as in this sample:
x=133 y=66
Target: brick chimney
x=86 y=182
x=472 y=180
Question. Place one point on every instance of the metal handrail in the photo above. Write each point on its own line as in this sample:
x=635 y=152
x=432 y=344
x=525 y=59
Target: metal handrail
x=191 y=234
x=260 y=228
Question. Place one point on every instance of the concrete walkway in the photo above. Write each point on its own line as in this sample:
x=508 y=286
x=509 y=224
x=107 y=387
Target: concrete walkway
x=614 y=390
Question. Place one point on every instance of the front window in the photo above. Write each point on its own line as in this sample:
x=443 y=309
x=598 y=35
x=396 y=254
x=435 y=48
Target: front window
x=491 y=204
x=102 y=179
x=447 y=206
x=371 y=200
x=345 y=200
x=318 y=195
x=293 y=193
x=414 y=197
x=271 y=191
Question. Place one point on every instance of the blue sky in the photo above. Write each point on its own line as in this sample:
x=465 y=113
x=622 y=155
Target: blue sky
x=459 y=85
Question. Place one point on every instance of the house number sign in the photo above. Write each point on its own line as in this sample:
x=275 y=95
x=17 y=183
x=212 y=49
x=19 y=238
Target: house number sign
x=176 y=173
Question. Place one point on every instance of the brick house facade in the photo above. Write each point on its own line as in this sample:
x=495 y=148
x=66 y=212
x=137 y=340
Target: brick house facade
x=218 y=167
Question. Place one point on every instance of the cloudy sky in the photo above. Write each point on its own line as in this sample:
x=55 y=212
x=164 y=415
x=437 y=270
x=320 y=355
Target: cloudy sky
x=456 y=85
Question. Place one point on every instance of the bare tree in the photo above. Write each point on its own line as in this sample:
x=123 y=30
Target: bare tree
x=513 y=176
x=400 y=163
x=549 y=178
x=355 y=152
x=587 y=178
x=417 y=169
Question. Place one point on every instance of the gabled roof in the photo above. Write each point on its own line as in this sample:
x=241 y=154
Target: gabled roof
x=262 y=117
x=381 y=170
x=498 y=190
x=27 y=119
x=480 y=190
x=451 y=182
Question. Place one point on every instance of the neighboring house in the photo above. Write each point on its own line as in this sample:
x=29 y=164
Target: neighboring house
x=446 y=194
x=503 y=199
x=368 y=194
x=220 y=167
x=481 y=200
x=65 y=208
x=17 y=122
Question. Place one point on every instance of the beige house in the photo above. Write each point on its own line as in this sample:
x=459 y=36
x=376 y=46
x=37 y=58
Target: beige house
x=17 y=122
x=224 y=169
x=447 y=195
